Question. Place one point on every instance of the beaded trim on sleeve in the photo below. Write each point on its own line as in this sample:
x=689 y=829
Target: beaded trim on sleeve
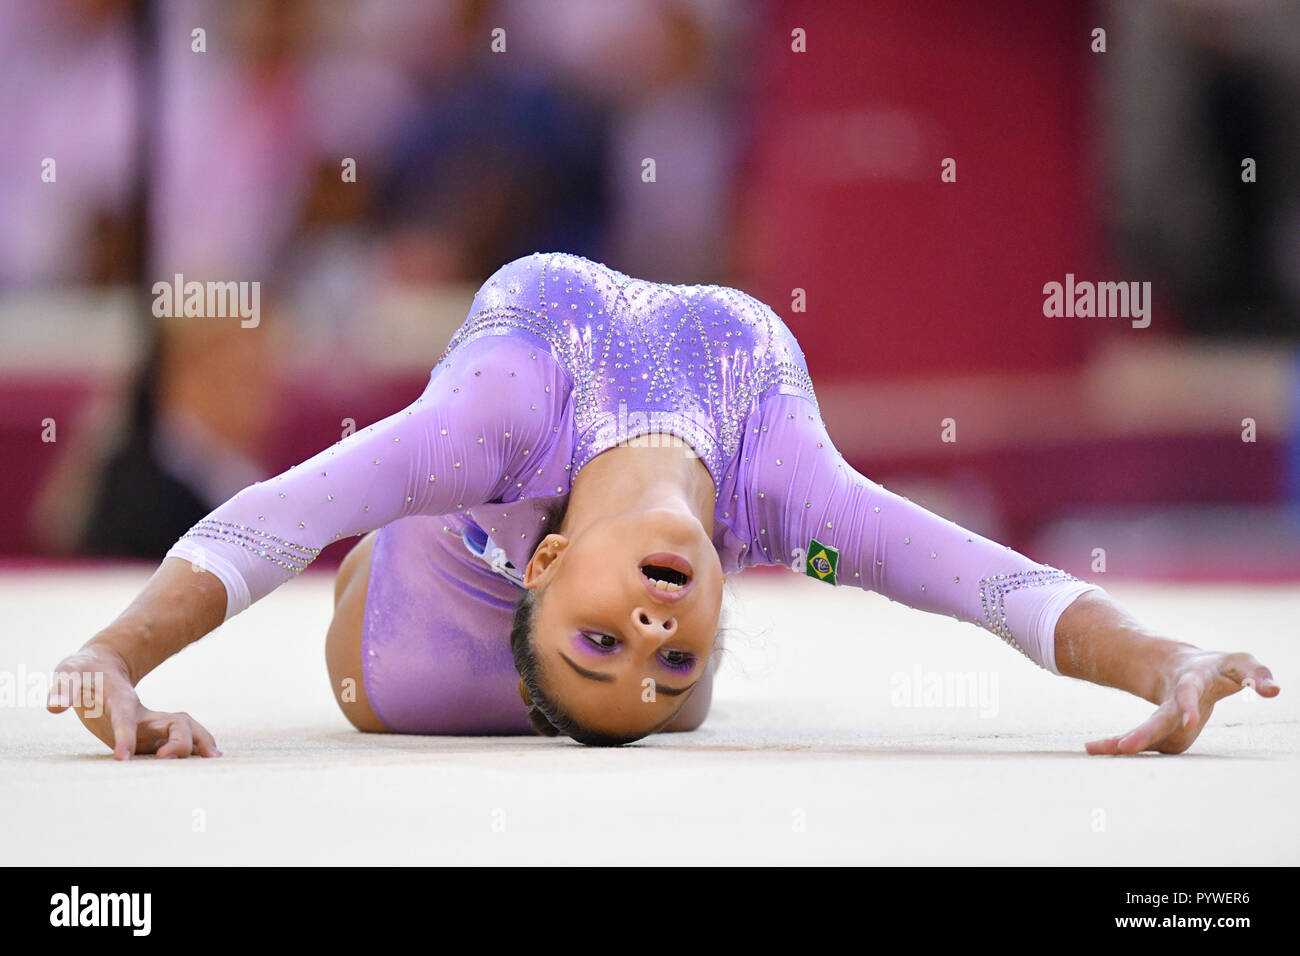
x=293 y=557
x=993 y=591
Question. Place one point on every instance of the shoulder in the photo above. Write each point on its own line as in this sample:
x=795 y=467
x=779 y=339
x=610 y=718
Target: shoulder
x=498 y=395
x=537 y=303
x=504 y=361
x=755 y=326
x=787 y=440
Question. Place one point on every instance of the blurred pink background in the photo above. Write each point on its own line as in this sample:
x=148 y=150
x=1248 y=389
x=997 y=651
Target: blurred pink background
x=776 y=171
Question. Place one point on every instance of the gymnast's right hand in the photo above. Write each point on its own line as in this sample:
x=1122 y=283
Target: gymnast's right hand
x=96 y=683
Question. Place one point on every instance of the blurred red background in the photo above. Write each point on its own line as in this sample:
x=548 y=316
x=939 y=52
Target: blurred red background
x=777 y=171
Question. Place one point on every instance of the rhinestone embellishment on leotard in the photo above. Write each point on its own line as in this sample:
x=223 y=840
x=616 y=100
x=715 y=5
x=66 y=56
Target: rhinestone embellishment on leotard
x=993 y=592
x=685 y=360
x=294 y=557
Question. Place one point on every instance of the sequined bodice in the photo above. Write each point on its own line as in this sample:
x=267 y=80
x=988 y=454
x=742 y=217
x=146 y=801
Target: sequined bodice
x=644 y=357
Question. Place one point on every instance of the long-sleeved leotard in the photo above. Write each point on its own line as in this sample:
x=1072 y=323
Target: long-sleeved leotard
x=560 y=359
x=830 y=522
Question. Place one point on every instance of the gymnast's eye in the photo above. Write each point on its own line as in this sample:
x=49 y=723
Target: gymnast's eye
x=603 y=642
x=677 y=660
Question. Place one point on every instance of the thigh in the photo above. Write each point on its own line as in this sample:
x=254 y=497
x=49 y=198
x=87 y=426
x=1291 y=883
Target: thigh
x=343 y=641
x=435 y=637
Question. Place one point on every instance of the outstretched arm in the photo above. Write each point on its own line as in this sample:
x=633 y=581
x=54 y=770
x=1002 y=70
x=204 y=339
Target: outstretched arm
x=815 y=513
x=483 y=418
x=823 y=518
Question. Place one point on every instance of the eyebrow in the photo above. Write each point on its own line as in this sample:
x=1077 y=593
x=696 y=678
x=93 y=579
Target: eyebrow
x=609 y=679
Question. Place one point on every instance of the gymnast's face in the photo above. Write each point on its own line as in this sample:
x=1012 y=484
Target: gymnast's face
x=626 y=618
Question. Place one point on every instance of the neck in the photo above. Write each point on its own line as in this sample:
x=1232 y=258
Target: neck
x=630 y=478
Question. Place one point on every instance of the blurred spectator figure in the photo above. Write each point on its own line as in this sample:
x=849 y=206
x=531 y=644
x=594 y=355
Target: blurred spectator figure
x=226 y=165
x=1198 y=87
x=200 y=414
x=497 y=160
x=675 y=229
x=67 y=69
x=672 y=76
x=333 y=274
x=235 y=153
x=231 y=173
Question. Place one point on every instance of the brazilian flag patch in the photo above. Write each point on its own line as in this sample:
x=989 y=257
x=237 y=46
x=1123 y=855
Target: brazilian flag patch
x=821 y=562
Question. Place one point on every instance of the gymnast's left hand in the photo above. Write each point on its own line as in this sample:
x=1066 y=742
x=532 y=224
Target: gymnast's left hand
x=1191 y=683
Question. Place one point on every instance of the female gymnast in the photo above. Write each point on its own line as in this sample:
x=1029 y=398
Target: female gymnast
x=557 y=512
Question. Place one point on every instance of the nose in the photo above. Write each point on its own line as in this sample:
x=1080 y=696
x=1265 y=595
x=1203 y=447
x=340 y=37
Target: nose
x=653 y=623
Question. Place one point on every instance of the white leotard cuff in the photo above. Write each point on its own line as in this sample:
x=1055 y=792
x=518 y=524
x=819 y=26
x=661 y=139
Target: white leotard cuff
x=1042 y=636
x=237 y=595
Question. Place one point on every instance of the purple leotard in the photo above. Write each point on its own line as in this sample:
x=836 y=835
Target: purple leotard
x=561 y=359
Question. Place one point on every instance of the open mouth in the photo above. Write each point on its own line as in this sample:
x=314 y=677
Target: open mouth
x=666 y=576
x=666 y=579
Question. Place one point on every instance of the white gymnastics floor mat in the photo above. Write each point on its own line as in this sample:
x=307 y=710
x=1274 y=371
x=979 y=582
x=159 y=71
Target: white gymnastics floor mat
x=845 y=729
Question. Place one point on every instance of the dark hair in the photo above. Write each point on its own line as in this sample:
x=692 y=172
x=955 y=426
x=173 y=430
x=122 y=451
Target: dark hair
x=545 y=715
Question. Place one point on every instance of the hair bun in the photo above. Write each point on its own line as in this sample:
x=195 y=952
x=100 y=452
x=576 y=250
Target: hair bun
x=540 y=723
x=535 y=715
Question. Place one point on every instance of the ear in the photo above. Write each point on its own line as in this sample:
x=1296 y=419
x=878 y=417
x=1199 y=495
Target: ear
x=544 y=559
